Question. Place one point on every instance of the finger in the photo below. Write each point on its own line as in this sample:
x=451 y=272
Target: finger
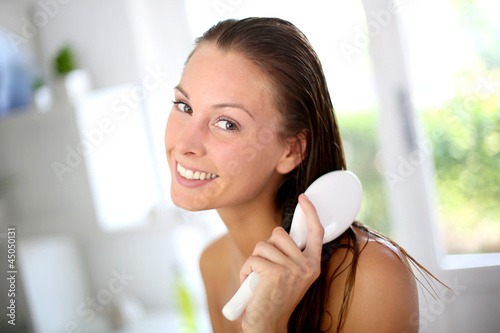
x=314 y=242
x=273 y=254
x=269 y=251
x=254 y=264
x=283 y=242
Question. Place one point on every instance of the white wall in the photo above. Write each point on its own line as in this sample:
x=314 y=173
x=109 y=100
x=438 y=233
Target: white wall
x=100 y=34
x=13 y=15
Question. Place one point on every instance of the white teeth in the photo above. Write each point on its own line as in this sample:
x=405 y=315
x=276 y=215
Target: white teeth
x=182 y=171
x=190 y=174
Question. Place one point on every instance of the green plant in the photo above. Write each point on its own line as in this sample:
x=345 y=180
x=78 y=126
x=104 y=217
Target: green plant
x=65 y=60
x=38 y=82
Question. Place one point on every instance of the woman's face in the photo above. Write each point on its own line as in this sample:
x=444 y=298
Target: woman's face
x=221 y=138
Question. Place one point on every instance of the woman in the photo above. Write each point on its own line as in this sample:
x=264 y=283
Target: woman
x=251 y=128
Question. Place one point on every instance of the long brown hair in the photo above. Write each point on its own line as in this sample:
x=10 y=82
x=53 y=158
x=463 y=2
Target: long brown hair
x=301 y=95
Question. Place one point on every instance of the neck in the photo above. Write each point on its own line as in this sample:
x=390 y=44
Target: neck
x=250 y=224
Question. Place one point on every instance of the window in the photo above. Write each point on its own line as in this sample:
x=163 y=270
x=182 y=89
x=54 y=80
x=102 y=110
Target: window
x=455 y=63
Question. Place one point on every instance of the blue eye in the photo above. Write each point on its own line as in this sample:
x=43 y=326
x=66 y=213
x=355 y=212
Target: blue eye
x=183 y=107
x=226 y=125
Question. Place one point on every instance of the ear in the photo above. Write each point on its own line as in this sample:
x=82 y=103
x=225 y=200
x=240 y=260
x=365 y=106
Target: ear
x=294 y=153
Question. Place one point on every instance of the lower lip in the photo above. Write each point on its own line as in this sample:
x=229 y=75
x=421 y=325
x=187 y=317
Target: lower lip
x=191 y=182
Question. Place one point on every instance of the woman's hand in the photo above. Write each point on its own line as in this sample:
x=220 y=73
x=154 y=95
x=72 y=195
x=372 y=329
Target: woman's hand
x=286 y=273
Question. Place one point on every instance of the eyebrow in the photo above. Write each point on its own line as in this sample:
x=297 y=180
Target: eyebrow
x=178 y=87
x=219 y=106
x=233 y=105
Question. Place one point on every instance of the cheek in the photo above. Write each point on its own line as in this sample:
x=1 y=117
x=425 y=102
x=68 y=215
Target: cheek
x=248 y=157
x=171 y=132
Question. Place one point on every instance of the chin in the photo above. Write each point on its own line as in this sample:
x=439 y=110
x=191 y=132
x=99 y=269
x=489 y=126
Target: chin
x=192 y=203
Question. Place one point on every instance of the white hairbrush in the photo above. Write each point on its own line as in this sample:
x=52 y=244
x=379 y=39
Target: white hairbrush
x=337 y=198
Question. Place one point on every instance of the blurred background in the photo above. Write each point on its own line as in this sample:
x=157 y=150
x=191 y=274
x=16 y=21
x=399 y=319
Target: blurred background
x=85 y=90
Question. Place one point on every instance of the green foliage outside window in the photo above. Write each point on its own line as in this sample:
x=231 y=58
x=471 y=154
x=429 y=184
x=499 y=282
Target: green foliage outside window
x=360 y=141
x=466 y=148
x=465 y=139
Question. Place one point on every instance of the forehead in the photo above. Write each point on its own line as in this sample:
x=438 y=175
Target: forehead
x=215 y=76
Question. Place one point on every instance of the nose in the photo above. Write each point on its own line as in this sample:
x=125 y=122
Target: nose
x=191 y=138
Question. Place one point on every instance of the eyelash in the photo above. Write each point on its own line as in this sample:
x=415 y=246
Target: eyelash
x=236 y=127
x=177 y=103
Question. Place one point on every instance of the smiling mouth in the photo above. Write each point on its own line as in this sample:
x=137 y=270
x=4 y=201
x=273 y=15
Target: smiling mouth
x=194 y=175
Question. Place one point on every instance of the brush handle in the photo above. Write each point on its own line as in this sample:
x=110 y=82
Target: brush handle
x=238 y=303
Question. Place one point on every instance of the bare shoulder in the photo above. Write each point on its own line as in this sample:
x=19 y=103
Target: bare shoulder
x=215 y=270
x=383 y=263
x=385 y=296
x=212 y=259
